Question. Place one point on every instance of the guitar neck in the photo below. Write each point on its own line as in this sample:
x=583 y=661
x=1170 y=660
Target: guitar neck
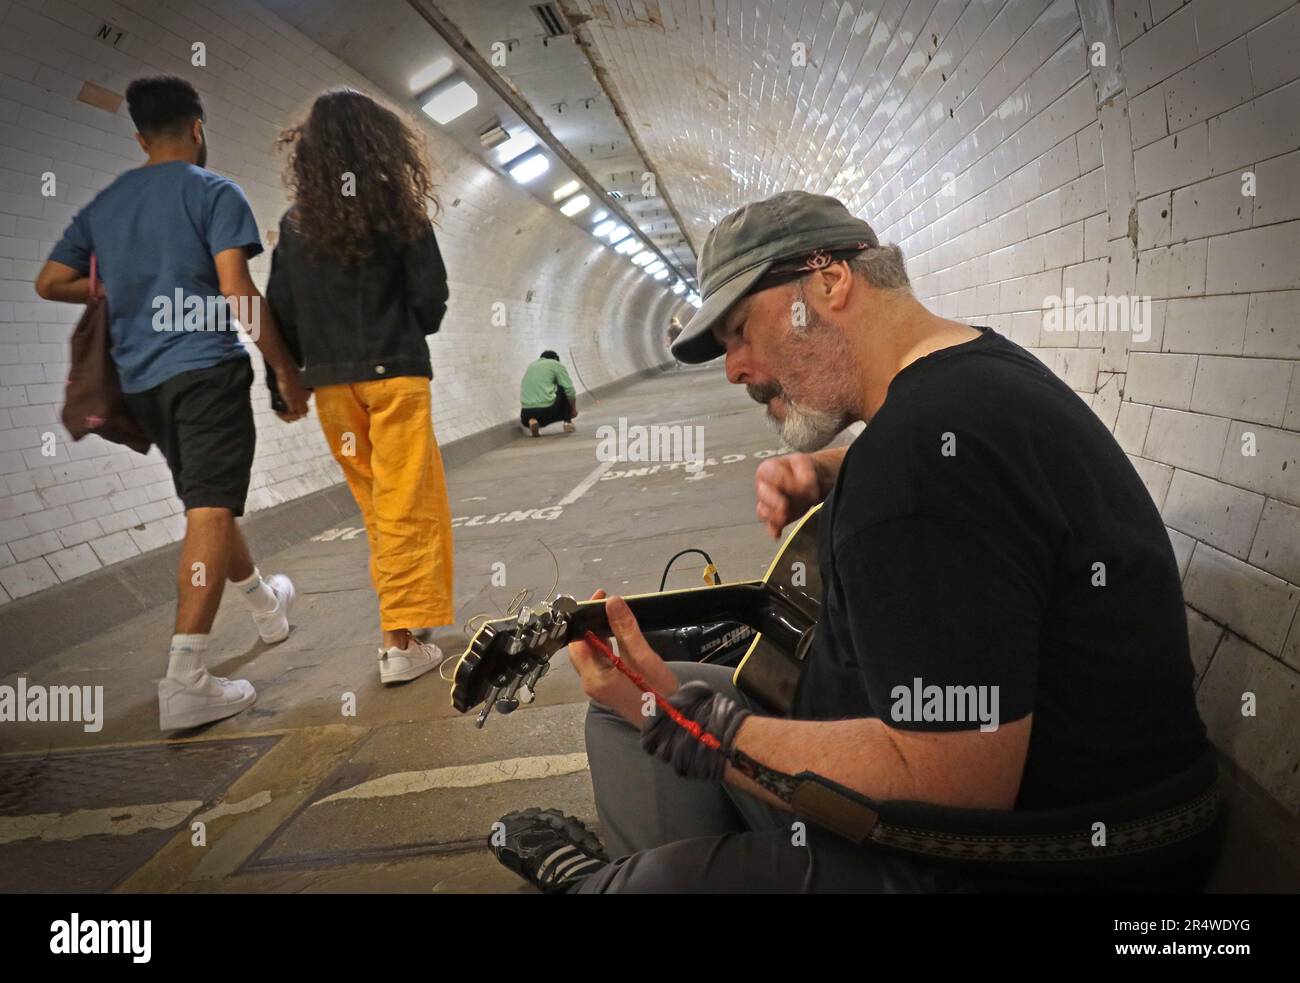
x=751 y=603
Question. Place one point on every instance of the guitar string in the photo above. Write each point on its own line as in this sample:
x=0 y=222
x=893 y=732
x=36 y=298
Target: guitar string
x=524 y=593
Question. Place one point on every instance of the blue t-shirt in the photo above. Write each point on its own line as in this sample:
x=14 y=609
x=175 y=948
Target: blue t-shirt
x=154 y=232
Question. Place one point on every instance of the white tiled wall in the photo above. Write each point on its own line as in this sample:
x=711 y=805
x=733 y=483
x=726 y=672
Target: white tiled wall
x=92 y=503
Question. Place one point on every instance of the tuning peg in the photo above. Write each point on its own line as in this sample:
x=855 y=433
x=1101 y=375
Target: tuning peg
x=488 y=704
x=508 y=702
x=528 y=689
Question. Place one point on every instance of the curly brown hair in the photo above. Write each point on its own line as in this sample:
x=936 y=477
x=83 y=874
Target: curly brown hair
x=348 y=131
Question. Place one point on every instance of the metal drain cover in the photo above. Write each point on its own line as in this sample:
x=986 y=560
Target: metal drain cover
x=84 y=820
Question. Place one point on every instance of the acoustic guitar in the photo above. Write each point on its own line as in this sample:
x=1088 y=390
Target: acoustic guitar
x=507 y=657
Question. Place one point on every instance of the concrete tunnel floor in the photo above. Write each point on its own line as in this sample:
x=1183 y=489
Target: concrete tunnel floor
x=293 y=795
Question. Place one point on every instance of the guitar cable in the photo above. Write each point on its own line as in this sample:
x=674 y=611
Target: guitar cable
x=717 y=579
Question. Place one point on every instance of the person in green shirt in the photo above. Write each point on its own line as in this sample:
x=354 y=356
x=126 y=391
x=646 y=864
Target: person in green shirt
x=547 y=395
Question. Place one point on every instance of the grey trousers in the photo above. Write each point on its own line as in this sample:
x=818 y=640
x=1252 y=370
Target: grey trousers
x=669 y=834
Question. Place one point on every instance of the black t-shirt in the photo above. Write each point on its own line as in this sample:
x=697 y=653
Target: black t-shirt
x=986 y=530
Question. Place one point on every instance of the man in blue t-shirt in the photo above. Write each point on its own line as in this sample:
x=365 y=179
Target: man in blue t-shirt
x=172 y=242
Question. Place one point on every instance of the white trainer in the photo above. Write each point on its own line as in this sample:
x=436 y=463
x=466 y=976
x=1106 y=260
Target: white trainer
x=273 y=626
x=211 y=698
x=402 y=665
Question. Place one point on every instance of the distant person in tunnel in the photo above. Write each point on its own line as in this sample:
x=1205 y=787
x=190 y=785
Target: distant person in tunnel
x=983 y=538
x=674 y=329
x=358 y=282
x=674 y=332
x=547 y=395
x=173 y=229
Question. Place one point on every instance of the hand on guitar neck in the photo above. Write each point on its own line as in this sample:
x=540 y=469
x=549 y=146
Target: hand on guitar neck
x=605 y=684
x=507 y=657
x=789 y=485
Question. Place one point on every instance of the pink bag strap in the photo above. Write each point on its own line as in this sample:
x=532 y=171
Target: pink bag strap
x=94 y=279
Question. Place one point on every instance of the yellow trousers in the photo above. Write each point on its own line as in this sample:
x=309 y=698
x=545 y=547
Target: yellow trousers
x=381 y=433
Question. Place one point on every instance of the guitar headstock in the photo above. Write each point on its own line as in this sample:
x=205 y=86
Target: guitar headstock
x=506 y=658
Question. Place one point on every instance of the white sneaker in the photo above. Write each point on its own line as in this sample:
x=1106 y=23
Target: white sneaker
x=569 y=427
x=273 y=626
x=402 y=665
x=211 y=698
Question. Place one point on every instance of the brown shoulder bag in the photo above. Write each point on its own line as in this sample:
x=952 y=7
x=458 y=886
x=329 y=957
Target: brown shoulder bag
x=93 y=401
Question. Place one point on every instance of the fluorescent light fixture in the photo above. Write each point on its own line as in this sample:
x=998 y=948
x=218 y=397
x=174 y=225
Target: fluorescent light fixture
x=622 y=232
x=530 y=167
x=493 y=136
x=564 y=190
x=575 y=205
x=627 y=247
x=643 y=257
x=656 y=266
x=694 y=301
x=661 y=275
x=435 y=71
x=599 y=216
x=451 y=101
x=519 y=143
x=604 y=229
x=679 y=288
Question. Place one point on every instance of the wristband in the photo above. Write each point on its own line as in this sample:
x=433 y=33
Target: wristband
x=716 y=714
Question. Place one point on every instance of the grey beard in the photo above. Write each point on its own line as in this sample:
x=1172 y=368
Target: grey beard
x=807 y=430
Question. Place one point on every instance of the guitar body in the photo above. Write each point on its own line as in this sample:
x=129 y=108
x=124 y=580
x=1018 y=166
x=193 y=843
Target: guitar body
x=769 y=672
x=508 y=656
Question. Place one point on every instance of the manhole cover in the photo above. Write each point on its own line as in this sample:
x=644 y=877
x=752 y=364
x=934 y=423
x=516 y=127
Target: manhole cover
x=82 y=821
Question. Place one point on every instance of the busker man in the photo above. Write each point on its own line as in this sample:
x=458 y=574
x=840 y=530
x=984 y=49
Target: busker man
x=984 y=532
x=172 y=239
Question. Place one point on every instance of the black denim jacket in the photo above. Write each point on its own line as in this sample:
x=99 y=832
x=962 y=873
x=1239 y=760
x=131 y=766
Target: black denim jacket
x=356 y=323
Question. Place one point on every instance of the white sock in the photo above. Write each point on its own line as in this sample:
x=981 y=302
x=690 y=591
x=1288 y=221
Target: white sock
x=185 y=664
x=256 y=594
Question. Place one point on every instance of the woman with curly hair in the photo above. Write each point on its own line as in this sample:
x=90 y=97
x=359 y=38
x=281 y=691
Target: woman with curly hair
x=357 y=283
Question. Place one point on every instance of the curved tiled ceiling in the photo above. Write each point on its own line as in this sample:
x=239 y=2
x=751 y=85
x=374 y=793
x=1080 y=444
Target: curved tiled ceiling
x=561 y=86
x=736 y=102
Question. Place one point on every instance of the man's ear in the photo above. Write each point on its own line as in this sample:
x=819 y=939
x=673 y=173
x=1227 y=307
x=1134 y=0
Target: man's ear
x=834 y=284
x=196 y=130
x=144 y=144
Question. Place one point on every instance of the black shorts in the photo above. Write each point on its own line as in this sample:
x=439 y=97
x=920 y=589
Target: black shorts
x=202 y=421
